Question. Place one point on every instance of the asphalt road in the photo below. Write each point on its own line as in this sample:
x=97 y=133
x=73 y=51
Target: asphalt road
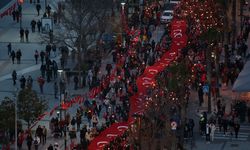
x=4 y=3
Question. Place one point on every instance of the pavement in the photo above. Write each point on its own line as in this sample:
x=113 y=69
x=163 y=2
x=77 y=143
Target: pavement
x=9 y=32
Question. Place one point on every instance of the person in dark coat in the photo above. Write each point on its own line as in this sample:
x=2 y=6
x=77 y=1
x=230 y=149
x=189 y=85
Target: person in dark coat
x=13 y=56
x=29 y=140
x=22 y=82
x=14 y=77
x=42 y=56
x=9 y=48
x=21 y=35
x=18 y=56
x=39 y=25
x=236 y=129
x=33 y=25
x=38 y=8
x=39 y=131
x=27 y=34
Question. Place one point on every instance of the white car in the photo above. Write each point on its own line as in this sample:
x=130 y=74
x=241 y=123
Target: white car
x=167 y=16
x=175 y=1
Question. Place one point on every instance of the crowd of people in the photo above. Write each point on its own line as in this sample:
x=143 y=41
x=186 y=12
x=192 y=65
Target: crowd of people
x=227 y=122
x=112 y=103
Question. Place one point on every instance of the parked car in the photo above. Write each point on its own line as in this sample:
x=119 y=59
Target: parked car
x=167 y=16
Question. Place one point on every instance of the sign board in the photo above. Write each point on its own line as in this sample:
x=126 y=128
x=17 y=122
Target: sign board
x=173 y=125
x=47 y=25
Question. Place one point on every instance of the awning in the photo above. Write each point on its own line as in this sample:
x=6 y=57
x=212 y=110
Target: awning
x=242 y=83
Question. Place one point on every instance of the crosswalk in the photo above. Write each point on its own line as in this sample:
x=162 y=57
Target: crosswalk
x=243 y=135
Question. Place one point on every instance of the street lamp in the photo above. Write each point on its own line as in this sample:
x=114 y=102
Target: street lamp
x=123 y=22
x=60 y=71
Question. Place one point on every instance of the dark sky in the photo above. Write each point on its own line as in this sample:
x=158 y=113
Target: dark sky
x=4 y=2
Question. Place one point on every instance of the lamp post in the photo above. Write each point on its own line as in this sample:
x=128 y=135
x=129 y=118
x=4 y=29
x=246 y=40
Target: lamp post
x=123 y=22
x=60 y=71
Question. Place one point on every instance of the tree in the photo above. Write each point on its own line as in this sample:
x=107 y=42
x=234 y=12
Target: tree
x=84 y=23
x=29 y=106
x=171 y=92
x=7 y=121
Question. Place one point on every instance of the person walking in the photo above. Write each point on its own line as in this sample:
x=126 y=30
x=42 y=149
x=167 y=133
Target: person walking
x=43 y=70
x=39 y=25
x=33 y=25
x=38 y=8
x=44 y=135
x=41 y=82
x=9 y=48
x=14 y=77
x=13 y=56
x=191 y=127
x=48 y=10
x=36 y=55
x=224 y=124
x=54 y=49
x=236 y=129
x=208 y=131
x=42 y=56
x=21 y=35
x=213 y=128
x=48 y=49
x=22 y=82
x=27 y=34
x=18 y=56
x=29 y=140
